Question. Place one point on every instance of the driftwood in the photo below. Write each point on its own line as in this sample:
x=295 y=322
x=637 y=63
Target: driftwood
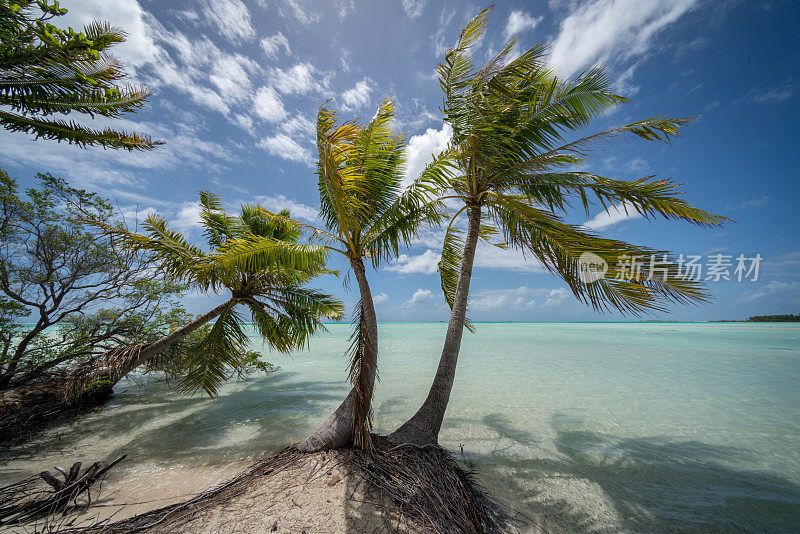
x=23 y=501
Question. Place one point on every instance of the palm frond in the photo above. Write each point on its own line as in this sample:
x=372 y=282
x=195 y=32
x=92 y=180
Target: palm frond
x=559 y=246
x=90 y=102
x=400 y=221
x=255 y=253
x=456 y=72
x=654 y=129
x=218 y=225
x=339 y=192
x=209 y=362
x=260 y=221
x=647 y=196
x=315 y=235
x=75 y=133
x=276 y=329
x=175 y=256
x=450 y=265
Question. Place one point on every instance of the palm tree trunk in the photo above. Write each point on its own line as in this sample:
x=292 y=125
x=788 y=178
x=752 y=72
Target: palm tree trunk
x=176 y=335
x=423 y=427
x=341 y=428
x=113 y=376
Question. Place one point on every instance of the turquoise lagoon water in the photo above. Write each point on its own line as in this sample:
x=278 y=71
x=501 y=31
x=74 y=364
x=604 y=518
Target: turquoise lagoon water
x=583 y=427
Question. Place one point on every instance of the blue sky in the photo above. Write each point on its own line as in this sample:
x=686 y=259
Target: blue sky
x=237 y=84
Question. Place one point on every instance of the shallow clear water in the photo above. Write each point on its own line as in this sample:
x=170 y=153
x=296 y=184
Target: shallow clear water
x=637 y=427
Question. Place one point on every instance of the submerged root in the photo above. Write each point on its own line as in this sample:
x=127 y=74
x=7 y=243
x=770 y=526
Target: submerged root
x=396 y=489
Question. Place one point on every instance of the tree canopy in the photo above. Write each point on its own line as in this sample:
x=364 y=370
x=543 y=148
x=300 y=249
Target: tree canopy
x=80 y=293
x=255 y=258
x=47 y=71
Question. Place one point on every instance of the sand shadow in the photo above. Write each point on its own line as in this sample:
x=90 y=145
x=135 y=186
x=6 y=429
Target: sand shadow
x=505 y=429
x=650 y=484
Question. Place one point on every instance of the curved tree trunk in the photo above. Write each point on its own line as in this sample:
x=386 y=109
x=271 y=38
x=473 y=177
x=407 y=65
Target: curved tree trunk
x=112 y=376
x=341 y=428
x=9 y=371
x=423 y=427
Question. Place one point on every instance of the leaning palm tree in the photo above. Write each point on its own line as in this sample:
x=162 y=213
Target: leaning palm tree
x=511 y=119
x=366 y=213
x=46 y=71
x=283 y=311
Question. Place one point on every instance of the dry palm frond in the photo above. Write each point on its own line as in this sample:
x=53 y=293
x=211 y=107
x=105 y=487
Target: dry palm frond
x=101 y=370
x=362 y=346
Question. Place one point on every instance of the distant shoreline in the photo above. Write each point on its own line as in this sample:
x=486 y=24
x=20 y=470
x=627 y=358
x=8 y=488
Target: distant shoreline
x=655 y=321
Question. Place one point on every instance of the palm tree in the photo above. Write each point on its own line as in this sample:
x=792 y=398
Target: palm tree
x=45 y=70
x=283 y=311
x=366 y=213
x=510 y=120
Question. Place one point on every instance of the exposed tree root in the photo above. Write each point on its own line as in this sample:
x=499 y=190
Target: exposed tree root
x=429 y=485
x=414 y=490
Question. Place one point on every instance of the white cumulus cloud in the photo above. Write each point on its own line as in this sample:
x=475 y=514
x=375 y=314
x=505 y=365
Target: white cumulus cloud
x=268 y=105
x=426 y=263
x=519 y=21
x=486 y=257
x=613 y=216
x=272 y=44
x=557 y=297
x=504 y=299
x=188 y=217
x=232 y=19
x=422 y=148
x=605 y=31
x=358 y=96
x=420 y=295
x=285 y=147
x=297 y=80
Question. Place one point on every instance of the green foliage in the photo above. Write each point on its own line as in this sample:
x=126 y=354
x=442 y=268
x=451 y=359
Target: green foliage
x=97 y=384
x=80 y=293
x=176 y=361
x=46 y=70
x=512 y=119
x=254 y=256
x=363 y=204
x=785 y=318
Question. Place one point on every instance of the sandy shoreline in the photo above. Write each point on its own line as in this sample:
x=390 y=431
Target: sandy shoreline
x=316 y=494
x=323 y=492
